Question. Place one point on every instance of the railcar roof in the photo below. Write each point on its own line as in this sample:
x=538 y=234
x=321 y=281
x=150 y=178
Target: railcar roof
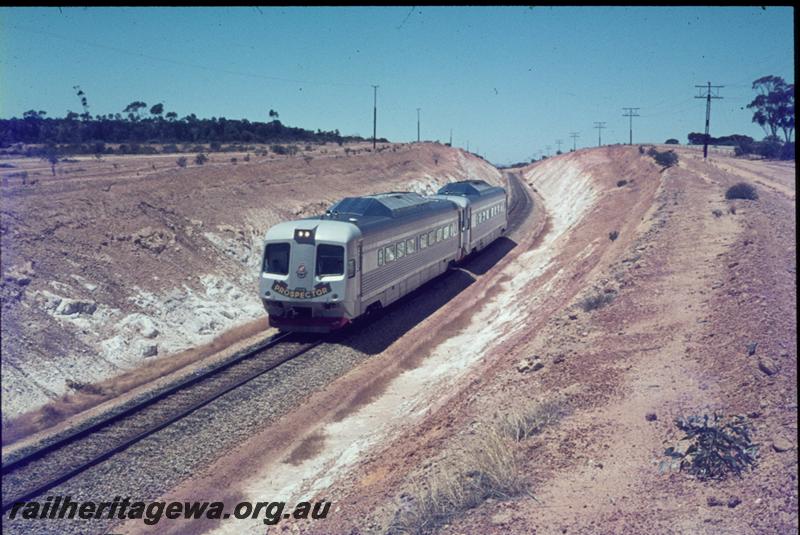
x=469 y=188
x=392 y=205
x=383 y=209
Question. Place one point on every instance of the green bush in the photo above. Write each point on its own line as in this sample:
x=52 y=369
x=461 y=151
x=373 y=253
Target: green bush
x=672 y=141
x=181 y=161
x=666 y=159
x=770 y=148
x=787 y=151
x=742 y=190
x=598 y=300
x=200 y=159
x=717 y=446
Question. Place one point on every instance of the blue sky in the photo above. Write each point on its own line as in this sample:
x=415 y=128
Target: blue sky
x=509 y=81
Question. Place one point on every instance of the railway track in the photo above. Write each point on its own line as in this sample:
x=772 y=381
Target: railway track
x=42 y=469
x=521 y=204
x=36 y=472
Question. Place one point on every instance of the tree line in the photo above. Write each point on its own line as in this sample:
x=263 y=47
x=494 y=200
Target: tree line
x=82 y=133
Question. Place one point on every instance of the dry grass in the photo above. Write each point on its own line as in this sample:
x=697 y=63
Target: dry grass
x=87 y=396
x=488 y=468
x=523 y=422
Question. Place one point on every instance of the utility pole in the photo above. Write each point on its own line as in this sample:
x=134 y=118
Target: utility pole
x=374 y=115
x=418 y=124
x=599 y=126
x=574 y=135
x=631 y=113
x=708 y=96
x=559 y=142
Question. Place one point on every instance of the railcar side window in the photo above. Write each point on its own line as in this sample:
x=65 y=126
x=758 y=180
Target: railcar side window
x=411 y=245
x=439 y=233
x=351 y=268
x=431 y=237
x=390 y=253
x=276 y=258
x=401 y=249
x=423 y=241
x=330 y=259
x=446 y=232
x=380 y=256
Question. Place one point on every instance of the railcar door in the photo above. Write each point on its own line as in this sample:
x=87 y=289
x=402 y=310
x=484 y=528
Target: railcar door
x=358 y=286
x=466 y=228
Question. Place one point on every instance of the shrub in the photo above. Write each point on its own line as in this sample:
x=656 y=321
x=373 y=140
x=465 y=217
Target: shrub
x=200 y=159
x=215 y=146
x=787 y=151
x=717 y=212
x=716 y=448
x=770 y=148
x=666 y=159
x=246 y=157
x=744 y=147
x=742 y=190
x=599 y=300
x=621 y=183
x=641 y=149
x=234 y=160
x=613 y=235
x=672 y=141
x=181 y=161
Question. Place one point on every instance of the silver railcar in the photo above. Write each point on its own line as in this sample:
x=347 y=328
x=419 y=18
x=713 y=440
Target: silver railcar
x=484 y=212
x=366 y=252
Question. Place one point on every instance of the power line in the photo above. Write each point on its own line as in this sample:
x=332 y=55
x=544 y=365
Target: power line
x=559 y=142
x=374 y=115
x=574 y=136
x=183 y=63
x=631 y=113
x=708 y=96
x=599 y=125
